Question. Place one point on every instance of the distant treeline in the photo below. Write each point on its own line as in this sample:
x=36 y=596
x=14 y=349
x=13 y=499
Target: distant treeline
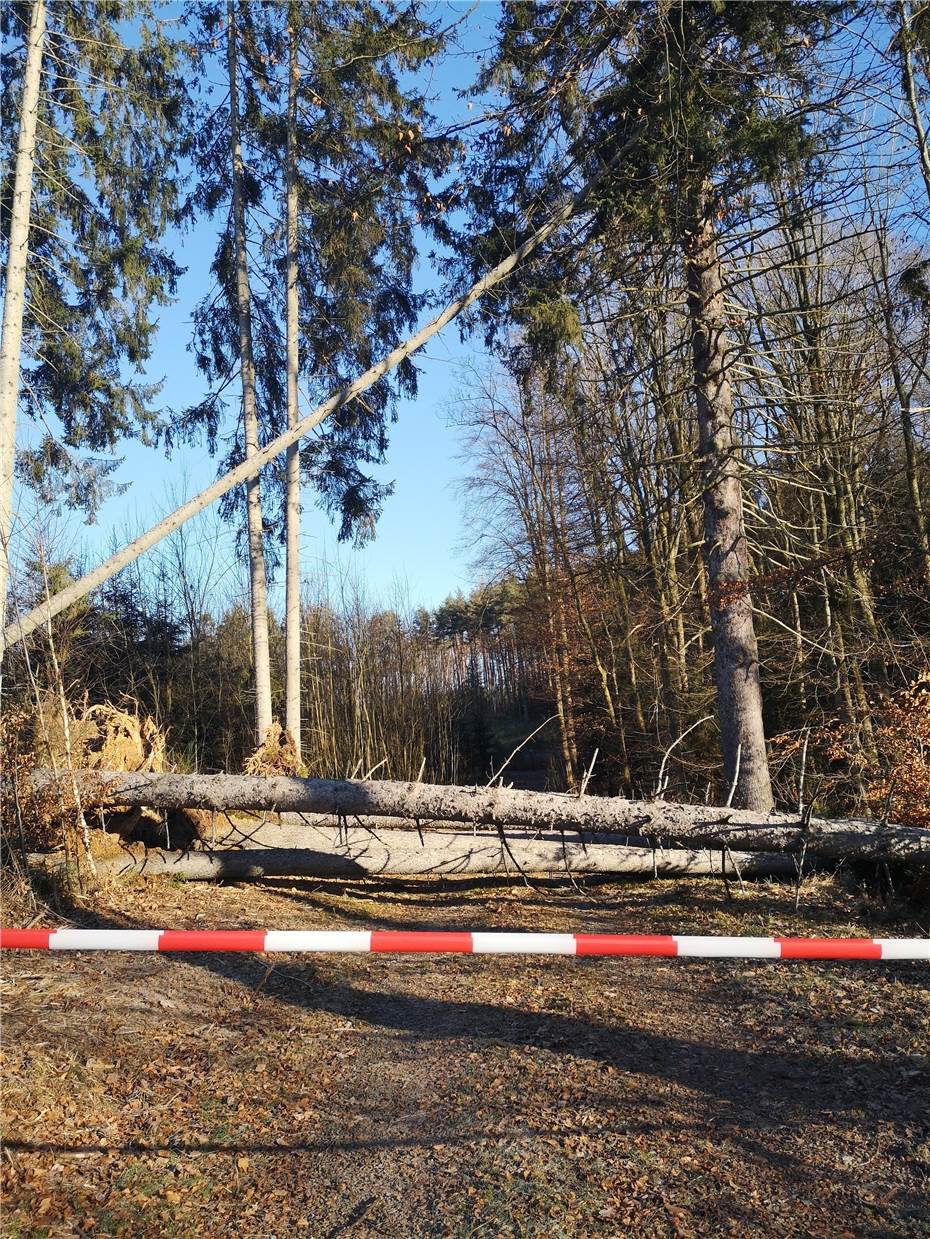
x=448 y=695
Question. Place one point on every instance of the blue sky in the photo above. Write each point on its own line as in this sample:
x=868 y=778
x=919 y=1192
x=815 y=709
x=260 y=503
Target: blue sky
x=419 y=538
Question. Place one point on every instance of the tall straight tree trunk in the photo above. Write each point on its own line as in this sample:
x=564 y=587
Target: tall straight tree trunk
x=261 y=663
x=736 y=655
x=292 y=508
x=15 y=297
x=905 y=47
x=904 y=408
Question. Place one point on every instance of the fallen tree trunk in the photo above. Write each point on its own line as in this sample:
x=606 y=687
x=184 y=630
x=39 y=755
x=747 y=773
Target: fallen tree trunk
x=323 y=830
x=693 y=825
x=400 y=853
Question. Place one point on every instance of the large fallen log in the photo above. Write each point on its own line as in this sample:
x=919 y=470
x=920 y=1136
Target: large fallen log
x=299 y=830
x=692 y=825
x=363 y=853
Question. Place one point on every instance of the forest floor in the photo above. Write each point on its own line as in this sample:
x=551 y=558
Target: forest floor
x=362 y=1096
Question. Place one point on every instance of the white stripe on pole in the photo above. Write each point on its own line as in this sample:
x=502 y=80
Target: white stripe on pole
x=523 y=944
x=904 y=948
x=317 y=940
x=104 y=940
x=727 y=948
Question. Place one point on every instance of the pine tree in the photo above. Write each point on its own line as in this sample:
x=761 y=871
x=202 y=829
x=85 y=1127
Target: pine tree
x=15 y=286
x=292 y=481
x=261 y=660
x=98 y=130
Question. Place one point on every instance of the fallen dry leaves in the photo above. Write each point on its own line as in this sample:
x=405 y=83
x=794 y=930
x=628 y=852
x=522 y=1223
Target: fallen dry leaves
x=372 y=1096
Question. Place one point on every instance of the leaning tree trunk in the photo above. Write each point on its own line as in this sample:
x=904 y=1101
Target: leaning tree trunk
x=261 y=662
x=736 y=655
x=250 y=468
x=292 y=510
x=14 y=300
x=505 y=808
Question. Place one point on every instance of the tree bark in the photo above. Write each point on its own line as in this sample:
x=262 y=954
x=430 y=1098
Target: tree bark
x=506 y=808
x=400 y=853
x=250 y=468
x=736 y=655
x=14 y=300
x=261 y=661
x=905 y=46
x=904 y=396
x=292 y=510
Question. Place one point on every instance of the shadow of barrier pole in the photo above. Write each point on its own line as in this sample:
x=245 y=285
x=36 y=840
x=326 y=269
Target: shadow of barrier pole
x=316 y=941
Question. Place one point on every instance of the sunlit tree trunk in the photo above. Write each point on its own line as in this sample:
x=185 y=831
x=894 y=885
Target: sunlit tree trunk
x=736 y=655
x=14 y=299
x=261 y=662
x=905 y=47
x=292 y=514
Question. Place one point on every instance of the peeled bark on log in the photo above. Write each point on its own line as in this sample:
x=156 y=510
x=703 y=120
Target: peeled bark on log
x=319 y=829
x=390 y=853
x=694 y=825
x=298 y=830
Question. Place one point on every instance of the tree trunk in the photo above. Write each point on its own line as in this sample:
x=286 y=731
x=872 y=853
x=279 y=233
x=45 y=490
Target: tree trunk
x=736 y=655
x=905 y=47
x=250 y=468
x=14 y=300
x=401 y=853
x=261 y=662
x=506 y=808
x=292 y=696
x=904 y=396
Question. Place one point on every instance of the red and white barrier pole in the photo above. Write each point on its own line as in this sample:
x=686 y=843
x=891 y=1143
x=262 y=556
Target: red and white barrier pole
x=406 y=942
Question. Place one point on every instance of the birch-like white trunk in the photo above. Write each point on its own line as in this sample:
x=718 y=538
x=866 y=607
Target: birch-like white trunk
x=261 y=663
x=14 y=300
x=292 y=503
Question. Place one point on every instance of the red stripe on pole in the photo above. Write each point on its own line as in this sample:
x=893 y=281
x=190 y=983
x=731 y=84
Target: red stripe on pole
x=829 y=948
x=25 y=939
x=420 y=940
x=625 y=944
x=212 y=940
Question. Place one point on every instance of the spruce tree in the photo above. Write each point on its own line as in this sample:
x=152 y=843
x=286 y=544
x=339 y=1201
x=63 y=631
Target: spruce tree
x=261 y=659
x=672 y=110
x=334 y=178
x=94 y=105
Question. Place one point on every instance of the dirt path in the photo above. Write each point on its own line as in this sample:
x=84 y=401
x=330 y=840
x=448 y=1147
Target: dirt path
x=434 y=1096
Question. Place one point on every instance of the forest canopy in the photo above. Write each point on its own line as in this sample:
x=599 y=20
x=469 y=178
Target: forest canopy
x=693 y=420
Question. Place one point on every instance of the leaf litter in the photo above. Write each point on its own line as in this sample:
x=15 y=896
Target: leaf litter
x=214 y=1095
